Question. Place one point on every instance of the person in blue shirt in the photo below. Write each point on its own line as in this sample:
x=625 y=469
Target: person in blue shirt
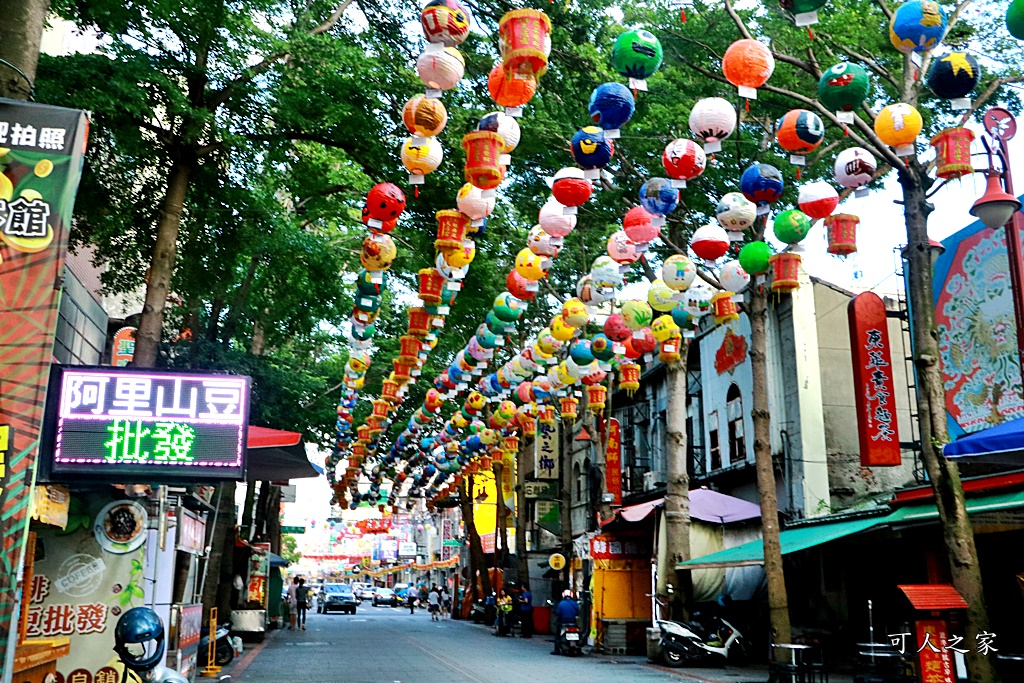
x=526 y=612
x=566 y=613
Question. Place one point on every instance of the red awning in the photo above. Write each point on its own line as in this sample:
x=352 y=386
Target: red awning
x=277 y=455
x=635 y=513
x=264 y=437
x=934 y=596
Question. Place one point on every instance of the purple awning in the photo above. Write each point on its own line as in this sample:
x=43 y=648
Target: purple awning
x=705 y=505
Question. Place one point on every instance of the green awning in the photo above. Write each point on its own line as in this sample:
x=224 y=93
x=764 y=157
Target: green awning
x=793 y=540
x=804 y=537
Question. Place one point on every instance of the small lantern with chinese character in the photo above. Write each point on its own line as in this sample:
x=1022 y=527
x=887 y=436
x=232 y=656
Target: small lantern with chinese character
x=389 y=391
x=525 y=41
x=410 y=348
x=785 y=272
x=597 y=394
x=483 y=150
x=724 y=308
x=671 y=349
x=380 y=409
x=953 y=153
x=432 y=285
x=401 y=372
x=452 y=227
x=842 y=233
x=570 y=407
x=363 y=435
x=629 y=377
x=419 y=322
x=510 y=444
x=374 y=425
x=528 y=423
x=546 y=414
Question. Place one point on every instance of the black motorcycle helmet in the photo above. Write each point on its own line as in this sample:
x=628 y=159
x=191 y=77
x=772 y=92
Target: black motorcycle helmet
x=139 y=639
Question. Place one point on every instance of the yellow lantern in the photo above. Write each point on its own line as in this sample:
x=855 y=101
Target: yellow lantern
x=461 y=257
x=564 y=376
x=530 y=265
x=378 y=252
x=898 y=125
x=574 y=313
x=547 y=342
x=663 y=327
x=661 y=297
x=421 y=156
x=561 y=329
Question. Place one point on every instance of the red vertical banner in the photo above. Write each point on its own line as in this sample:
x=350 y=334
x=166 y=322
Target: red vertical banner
x=873 y=384
x=613 y=461
x=41 y=150
x=936 y=661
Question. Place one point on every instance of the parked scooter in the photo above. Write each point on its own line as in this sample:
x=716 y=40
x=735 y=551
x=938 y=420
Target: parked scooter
x=139 y=642
x=224 y=652
x=703 y=641
x=570 y=641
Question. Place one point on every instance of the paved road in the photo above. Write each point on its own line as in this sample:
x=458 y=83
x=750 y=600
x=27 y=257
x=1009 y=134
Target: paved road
x=387 y=645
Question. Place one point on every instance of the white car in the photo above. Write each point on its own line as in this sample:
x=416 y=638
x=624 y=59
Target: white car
x=364 y=591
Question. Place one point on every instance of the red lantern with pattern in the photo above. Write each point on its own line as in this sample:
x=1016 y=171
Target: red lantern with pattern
x=842 y=233
x=374 y=425
x=517 y=286
x=419 y=322
x=452 y=228
x=546 y=414
x=528 y=424
x=389 y=391
x=380 y=409
x=510 y=444
x=431 y=285
x=671 y=349
x=629 y=377
x=363 y=433
x=525 y=41
x=724 y=308
x=570 y=408
x=597 y=394
x=483 y=150
x=785 y=272
x=409 y=349
x=401 y=372
x=953 y=153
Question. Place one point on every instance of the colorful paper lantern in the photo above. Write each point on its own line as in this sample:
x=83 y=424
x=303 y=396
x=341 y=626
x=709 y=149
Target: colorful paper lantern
x=588 y=292
x=459 y=258
x=799 y=132
x=529 y=265
x=553 y=219
x=425 y=117
x=733 y=277
x=636 y=314
x=606 y=272
x=570 y=187
x=597 y=395
x=954 y=75
x=629 y=377
x=384 y=202
x=818 y=200
x=660 y=296
x=591 y=149
x=841 y=229
x=658 y=196
x=569 y=408
x=917 y=26
x=663 y=327
x=804 y=11
x=507 y=308
x=621 y=249
x=1015 y=19
x=580 y=352
x=471 y=202
x=710 y=242
x=844 y=87
x=611 y=106
x=421 y=156
x=748 y=64
x=540 y=243
x=670 y=350
x=678 y=272
x=785 y=272
x=378 y=252
x=791 y=226
x=637 y=54
x=681 y=316
x=483 y=151
x=638 y=226
x=698 y=299
x=505 y=126
x=683 y=160
x=724 y=308
x=761 y=184
x=525 y=41
x=445 y=21
x=510 y=90
x=898 y=125
x=574 y=313
x=735 y=212
x=366 y=285
x=601 y=346
x=518 y=286
x=712 y=120
x=419 y=322
x=616 y=329
x=432 y=283
x=953 y=153
x=855 y=167
x=452 y=227
x=441 y=70
x=561 y=330
x=643 y=342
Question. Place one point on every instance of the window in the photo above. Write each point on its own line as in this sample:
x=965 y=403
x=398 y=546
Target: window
x=734 y=414
x=713 y=445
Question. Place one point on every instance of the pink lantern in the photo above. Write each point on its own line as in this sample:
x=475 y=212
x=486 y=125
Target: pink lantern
x=553 y=219
x=683 y=159
x=818 y=200
x=710 y=242
x=638 y=226
x=539 y=242
x=621 y=249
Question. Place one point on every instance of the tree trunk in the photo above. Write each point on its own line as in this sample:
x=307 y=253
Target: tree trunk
x=565 y=458
x=222 y=539
x=476 y=548
x=274 y=522
x=24 y=21
x=522 y=520
x=778 y=601
x=235 y=312
x=158 y=280
x=247 y=510
x=259 y=339
x=931 y=407
x=498 y=468
x=263 y=511
x=677 y=494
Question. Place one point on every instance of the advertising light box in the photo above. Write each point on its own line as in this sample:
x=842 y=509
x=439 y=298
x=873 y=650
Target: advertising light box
x=145 y=426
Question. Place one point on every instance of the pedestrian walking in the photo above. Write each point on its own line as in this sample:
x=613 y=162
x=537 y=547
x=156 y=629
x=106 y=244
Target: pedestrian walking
x=434 y=604
x=526 y=612
x=410 y=599
x=302 y=603
x=446 y=603
x=293 y=602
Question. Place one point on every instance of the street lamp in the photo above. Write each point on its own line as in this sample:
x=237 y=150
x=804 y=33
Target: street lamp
x=995 y=208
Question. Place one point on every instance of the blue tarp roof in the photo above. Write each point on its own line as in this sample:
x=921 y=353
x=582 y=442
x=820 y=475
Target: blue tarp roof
x=1002 y=444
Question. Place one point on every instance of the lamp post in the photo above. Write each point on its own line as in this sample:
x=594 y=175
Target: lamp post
x=999 y=207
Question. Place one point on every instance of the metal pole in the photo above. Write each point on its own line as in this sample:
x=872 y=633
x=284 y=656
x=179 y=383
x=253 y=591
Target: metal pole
x=1014 y=254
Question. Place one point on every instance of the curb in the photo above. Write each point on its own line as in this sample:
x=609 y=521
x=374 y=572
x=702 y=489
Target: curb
x=238 y=667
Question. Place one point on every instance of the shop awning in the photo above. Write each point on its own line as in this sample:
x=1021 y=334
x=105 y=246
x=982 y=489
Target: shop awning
x=933 y=596
x=999 y=445
x=928 y=511
x=705 y=505
x=276 y=560
x=277 y=455
x=792 y=540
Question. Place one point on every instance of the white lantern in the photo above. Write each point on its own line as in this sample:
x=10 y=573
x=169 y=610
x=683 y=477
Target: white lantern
x=735 y=212
x=441 y=70
x=471 y=202
x=733 y=277
x=698 y=299
x=678 y=272
x=553 y=219
x=539 y=242
x=855 y=167
x=713 y=119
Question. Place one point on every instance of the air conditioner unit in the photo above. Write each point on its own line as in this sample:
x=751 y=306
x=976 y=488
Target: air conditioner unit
x=653 y=480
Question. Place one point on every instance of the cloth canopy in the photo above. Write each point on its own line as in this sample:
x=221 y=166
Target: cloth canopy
x=277 y=455
x=999 y=445
x=705 y=505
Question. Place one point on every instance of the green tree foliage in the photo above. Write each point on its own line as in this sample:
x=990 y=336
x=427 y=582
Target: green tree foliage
x=289 y=548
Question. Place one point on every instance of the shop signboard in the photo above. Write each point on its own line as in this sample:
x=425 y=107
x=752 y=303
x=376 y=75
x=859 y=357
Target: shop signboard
x=43 y=148
x=125 y=424
x=613 y=461
x=545 y=462
x=123 y=347
x=191 y=532
x=620 y=547
x=935 y=658
x=548 y=515
x=508 y=481
x=873 y=386
x=86 y=577
x=544 y=490
x=406 y=549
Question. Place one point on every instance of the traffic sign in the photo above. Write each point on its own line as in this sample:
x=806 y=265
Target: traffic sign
x=1000 y=124
x=557 y=561
x=450 y=543
x=293 y=530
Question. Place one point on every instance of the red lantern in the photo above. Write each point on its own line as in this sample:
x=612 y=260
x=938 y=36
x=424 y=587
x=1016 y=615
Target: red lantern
x=683 y=159
x=570 y=406
x=374 y=426
x=671 y=349
x=645 y=344
x=431 y=285
x=629 y=377
x=842 y=233
x=384 y=227
x=409 y=349
x=363 y=434
x=385 y=202
x=525 y=41
x=401 y=373
x=571 y=188
x=389 y=391
x=546 y=414
x=486 y=462
x=517 y=286
x=630 y=353
x=597 y=394
x=616 y=329
x=419 y=322
x=452 y=227
x=638 y=224
x=528 y=424
x=724 y=308
x=785 y=272
x=953 y=153
x=483 y=149
x=748 y=64
x=380 y=409
x=510 y=444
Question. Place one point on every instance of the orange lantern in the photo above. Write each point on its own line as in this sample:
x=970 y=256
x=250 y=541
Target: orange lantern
x=452 y=227
x=419 y=322
x=510 y=90
x=570 y=407
x=546 y=414
x=483 y=150
x=724 y=308
x=953 y=153
x=401 y=373
x=380 y=409
x=597 y=394
x=510 y=444
x=629 y=377
x=374 y=425
x=525 y=41
x=363 y=434
x=485 y=462
x=431 y=285
x=748 y=64
x=785 y=272
x=842 y=233
x=473 y=467
x=528 y=424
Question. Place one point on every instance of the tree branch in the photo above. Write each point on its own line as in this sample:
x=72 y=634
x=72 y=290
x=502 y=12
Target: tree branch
x=954 y=17
x=885 y=9
x=868 y=59
x=744 y=31
x=991 y=90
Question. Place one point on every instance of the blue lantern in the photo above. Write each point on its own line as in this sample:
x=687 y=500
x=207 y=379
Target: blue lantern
x=917 y=26
x=611 y=105
x=658 y=197
x=580 y=352
x=761 y=184
x=682 y=317
x=591 y=149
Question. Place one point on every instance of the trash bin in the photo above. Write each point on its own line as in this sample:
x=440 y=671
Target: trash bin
x=653 y=644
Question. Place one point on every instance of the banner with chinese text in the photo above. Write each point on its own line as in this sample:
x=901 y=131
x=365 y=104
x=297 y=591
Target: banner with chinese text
x=613 y=461
x=545 y=459
x=873 y=384
x=41 y=152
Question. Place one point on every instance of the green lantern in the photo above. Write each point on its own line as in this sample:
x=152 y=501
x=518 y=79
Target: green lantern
x=844 y=87
x=802 y=6
x=1015 y=19
x=507 y=308
x=496 y=325
x=368 y=304
x=486 y=338
x=363 y=333
x=754 y=257
x=791 y=226
x=637 y=54
x=367 y=286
